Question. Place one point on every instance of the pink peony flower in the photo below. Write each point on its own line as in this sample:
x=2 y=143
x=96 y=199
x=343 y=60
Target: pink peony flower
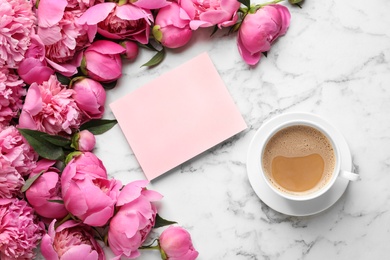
x=131 y=52
x=61 y=35
x=10 y=182
x=84 y=141
x=34 y=68
x=175 y=243
x=49 y=107
x=11 y=93
x=90 y=97
x=138 y=212
x=172 y=26
x=115 y=21
x=259 y=30
x=46 y=187
x=16 y=23
x=82 y=4
x=222 y=13
x=86 y=195
x=15 y=152
x=102 y=61
x=70 y=241
x=20 y=230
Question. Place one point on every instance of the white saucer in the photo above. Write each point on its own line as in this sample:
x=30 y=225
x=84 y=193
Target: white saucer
x=285 y=206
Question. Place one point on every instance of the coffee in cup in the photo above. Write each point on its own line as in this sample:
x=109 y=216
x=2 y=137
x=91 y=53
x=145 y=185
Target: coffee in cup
x=299 y=160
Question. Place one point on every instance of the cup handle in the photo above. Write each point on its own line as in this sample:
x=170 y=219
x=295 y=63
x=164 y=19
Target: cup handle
x=349 y=175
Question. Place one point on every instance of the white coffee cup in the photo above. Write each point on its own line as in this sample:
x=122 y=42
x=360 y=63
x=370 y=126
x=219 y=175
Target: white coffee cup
x=327 y=130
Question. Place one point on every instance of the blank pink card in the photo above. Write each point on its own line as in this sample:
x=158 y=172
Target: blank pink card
x=177 y=116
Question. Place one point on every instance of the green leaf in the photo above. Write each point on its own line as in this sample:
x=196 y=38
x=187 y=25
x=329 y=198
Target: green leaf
x=156 y=59
x=41 y=145
x=62 y=79
x=215 y=29
x=57 y=140
x=247 y=3
x=160 y=222
x=98 y=126
x=56 y=201
x=30 y=181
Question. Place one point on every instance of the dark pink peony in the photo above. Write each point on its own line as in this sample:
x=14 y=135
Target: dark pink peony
x=86 y=191
x=260 y=29
x=135 y=218
x=115 y=21
x=11 y=93
x=16 y=23
x=172 y=26
x=34 y=68
x=70 y=241
x=45 y=189
x=175 y=243
x=90 y=97
x=50 y=108
x=20 y=230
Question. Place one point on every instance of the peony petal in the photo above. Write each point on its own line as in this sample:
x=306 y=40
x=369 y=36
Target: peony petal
x=50 y=35
x=214 y=17
x=33 y=102
x=106 y=47
x=195 y=24
x=248 y=57
x=147 y=4
x=131 y=12
x=50 y=12
x=47 y=249
x=65 y=69
x=96 y=13
x=82 y=251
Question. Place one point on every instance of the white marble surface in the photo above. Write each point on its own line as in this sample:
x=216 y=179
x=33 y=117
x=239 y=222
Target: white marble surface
x=334 y=61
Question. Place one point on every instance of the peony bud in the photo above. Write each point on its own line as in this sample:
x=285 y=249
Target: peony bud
x=84 y=141
x=170 y=28
x=131 y=50
x=175 y=244
x=260 y=29
x=102 y=61
x=90 y=97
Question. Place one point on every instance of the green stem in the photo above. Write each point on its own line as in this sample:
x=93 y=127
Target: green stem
x=150 y=247
x=268 y=3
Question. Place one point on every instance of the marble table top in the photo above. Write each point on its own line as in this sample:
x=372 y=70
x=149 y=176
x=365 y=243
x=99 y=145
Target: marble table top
x=334 y=61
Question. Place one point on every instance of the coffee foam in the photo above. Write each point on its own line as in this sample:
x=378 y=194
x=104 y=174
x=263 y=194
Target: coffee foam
x=299 y=141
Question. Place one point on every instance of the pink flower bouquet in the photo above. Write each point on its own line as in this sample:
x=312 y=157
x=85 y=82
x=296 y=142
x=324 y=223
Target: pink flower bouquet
x=58 y=58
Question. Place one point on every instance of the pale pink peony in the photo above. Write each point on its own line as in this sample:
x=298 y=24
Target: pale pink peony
x=115 y=21
x=69 y=241
x=20 y=230
x=84 y=141
x=11 y=93
x=10 y=182
x=172 y=26
x=16 y=23
x=87 y=195
x=222 y=13
x=135 y=218
x=61 y=35
x=45 y=189
x=260 y=29
x=50 y=108
x=176 y=244
x=16 y=152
